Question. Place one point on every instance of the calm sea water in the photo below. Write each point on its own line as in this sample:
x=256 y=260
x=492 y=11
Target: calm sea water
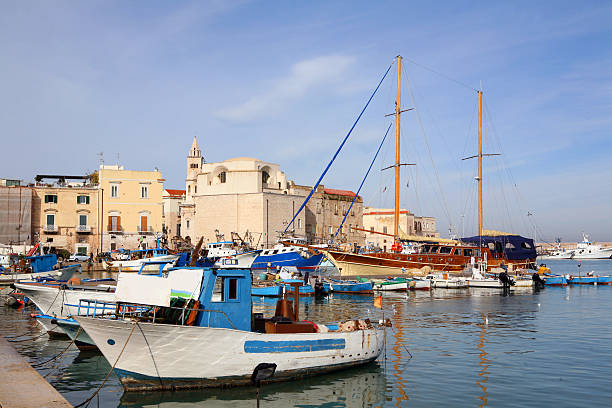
x=460 y=348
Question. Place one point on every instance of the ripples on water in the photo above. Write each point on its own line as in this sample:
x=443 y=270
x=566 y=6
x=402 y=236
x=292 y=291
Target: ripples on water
x=469 y=347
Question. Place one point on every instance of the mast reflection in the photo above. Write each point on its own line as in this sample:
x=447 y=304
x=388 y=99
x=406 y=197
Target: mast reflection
x=483 y=362
x=397 y=354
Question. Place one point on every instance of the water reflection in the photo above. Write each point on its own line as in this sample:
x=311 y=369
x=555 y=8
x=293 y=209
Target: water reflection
x=360 y=387
x=483 y=362
x=398 y=348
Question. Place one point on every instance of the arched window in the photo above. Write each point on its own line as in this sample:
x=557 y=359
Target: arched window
x=265 y=176
x=188 y=189
x=222 y=177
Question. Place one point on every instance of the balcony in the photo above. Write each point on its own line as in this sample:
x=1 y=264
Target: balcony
x=115 y=229
x=50 y=228
x=83 y=229
x=145 y=230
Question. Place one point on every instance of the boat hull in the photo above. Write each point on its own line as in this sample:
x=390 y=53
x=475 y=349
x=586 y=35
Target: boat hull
x=135 y=264
x=73 y=330
x=359 y=288
x=391 y=264
x=51 y=300
x=62 y=274
x=390 y=286
x=555 y=281
x=157 y=356
x=496 y=284
x=293 y=258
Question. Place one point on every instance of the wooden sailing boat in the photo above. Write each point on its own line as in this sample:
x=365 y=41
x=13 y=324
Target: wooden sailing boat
x=443 y=255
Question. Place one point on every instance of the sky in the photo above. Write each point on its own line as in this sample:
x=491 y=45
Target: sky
x=284 y=81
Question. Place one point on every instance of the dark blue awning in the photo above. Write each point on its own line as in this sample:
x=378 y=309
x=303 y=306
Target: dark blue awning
x=511 y=247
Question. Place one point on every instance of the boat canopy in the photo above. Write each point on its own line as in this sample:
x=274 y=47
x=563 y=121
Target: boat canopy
x=511 y=247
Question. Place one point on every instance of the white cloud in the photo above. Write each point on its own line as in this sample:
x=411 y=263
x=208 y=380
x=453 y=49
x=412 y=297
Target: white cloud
x=304 y=76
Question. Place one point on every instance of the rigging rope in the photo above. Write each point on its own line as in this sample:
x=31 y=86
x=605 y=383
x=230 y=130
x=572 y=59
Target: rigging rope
x=361 y=185
x=441 y=74
x=314 y=188
x=421 y=127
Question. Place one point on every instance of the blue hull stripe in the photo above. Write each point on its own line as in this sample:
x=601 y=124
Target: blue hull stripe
x=256 y=346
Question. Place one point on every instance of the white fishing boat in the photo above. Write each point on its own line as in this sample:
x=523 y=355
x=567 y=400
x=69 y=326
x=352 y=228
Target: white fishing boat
x=139 y=257
x=242 y=260
x=218 y=341
x=558 y=253
x=63 y=300
x=589 y=250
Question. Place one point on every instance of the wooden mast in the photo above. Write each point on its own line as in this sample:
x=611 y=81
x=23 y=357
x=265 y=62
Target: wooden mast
x=480 y=163
x=397 y=150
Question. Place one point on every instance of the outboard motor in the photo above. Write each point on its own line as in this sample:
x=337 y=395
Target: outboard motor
x=539 y=282
x=505 y=279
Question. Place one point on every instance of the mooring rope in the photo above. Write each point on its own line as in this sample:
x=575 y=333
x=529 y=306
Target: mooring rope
x=62 y=352
x=88 y=400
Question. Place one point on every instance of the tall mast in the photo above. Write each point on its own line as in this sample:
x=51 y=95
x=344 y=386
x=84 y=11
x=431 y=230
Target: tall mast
x=480 y=163
x=397 y=148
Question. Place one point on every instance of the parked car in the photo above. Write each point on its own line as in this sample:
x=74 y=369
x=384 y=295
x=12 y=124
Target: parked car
x=78 y=258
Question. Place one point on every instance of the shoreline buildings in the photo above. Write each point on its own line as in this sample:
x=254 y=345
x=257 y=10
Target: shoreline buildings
x=239 y=198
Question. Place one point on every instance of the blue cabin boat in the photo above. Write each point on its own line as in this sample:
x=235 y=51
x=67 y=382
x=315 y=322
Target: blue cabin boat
x=279 y=256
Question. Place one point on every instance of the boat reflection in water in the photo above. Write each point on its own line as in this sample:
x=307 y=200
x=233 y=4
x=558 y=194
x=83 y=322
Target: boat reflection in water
x=483 y=362
x=359 y=387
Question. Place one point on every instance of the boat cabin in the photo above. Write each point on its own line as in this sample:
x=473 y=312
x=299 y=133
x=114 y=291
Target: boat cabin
x=219 y=249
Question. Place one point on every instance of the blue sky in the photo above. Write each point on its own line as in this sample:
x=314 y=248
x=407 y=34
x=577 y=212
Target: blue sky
x=284 y=81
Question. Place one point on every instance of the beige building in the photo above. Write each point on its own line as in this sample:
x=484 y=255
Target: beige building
x=65 y=214
x=130 y=208
x=171 y=212
x=381 y=220
x=237 y=195
x=244 y=194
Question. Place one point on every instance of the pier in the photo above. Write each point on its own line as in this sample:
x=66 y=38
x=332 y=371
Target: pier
x=22 y=386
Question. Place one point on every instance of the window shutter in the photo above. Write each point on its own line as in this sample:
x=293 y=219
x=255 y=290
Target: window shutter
x=86 y=199
x=110 y=223
x=55 y=199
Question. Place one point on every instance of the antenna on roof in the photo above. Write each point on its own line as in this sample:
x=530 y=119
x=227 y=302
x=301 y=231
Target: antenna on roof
x=117 y=159
x=101 y=156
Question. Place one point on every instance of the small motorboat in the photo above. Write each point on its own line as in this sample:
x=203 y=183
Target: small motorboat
x=350 y=286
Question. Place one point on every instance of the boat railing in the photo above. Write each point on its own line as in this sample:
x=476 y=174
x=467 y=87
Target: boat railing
x=162 y=314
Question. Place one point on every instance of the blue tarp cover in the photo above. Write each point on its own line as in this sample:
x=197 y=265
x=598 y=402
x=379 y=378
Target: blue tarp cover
x=513 y=247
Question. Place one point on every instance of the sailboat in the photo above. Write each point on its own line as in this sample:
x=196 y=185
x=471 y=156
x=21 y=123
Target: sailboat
x=438 y=255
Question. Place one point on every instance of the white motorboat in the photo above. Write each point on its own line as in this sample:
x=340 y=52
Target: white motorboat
x=589 y=250
x=480 y=280
x=446 y=281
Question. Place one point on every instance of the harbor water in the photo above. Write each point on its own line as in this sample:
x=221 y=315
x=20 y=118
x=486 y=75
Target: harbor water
x=461 y=348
